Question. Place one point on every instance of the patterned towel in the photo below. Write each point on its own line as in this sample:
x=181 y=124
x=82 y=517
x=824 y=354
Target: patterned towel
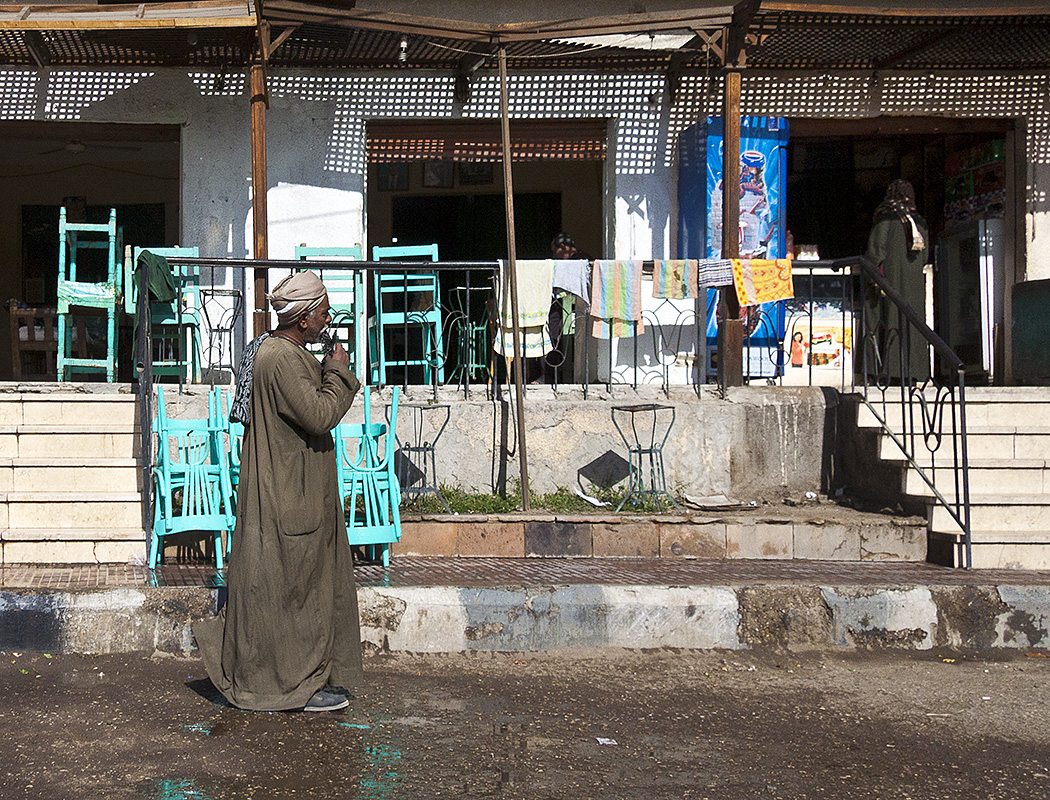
x=674 y=279
x=616 y=299
x=535 y=283
x=762 y=280
x=715 y=272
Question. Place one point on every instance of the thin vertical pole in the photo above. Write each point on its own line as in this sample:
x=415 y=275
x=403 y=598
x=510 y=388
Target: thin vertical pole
x=512 y=269
x=257 y=75
x=731 y=331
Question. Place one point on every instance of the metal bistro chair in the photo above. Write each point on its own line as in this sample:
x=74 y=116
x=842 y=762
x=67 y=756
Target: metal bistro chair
x=176 y=325
x=191 y=484
x=403 y=301
x=346 y=290
x=370 y=491
x=74 y=237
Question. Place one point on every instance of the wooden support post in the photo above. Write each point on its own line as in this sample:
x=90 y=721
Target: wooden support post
x=730 y=329
x=257 y=76
x=512 y=279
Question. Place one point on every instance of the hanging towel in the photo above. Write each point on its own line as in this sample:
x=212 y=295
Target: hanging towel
x=714 y=272
x=674 y=279
x=616 y=299
x=762 y=280
x=535 y=284
x=574 y=276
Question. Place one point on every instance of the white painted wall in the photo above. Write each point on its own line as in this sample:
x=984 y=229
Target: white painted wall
x=316 y=138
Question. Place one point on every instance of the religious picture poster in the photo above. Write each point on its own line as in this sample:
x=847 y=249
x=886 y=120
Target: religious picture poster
x=475 y=173
x=393 y=177
x=437 y=174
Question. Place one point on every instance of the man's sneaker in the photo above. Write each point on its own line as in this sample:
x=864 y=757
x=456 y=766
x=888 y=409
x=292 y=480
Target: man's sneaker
x=326 y=701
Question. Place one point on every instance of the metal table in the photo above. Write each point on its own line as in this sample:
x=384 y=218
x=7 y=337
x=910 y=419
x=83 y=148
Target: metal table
x=417 y=462
x=645 y=443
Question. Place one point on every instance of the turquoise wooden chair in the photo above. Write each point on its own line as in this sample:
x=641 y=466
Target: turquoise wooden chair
x=73 y=238
x=370 y=491
x=406 y=301
x=228 y=446
x=191 y=485
x=346 y=293
x=176 y=326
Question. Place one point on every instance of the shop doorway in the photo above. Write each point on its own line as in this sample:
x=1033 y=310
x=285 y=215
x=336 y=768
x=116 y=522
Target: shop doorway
x=442 y=182
x=961 y=170
x=88 y=168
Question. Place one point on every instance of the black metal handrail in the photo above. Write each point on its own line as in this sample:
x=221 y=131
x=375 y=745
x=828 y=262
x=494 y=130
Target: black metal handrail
x=897 y=370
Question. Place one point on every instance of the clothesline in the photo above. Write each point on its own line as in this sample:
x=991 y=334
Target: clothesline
x=613 y=287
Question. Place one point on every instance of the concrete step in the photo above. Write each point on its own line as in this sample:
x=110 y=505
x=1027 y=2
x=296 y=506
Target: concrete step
x=980 y=411
x=72 y=441
x=1012 y=553
x=67 y=408
x=996 y=513
x=70 y=474
x=987 y=476
x=64 y=510
x=72 y=545
x=981 y=443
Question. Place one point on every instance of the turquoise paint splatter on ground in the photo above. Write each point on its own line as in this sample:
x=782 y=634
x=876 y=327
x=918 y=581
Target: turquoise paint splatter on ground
x=178 y=790
x=385 y=780
x=199 y=727
x=357 y=725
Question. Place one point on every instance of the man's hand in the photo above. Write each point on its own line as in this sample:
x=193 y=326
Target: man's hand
x=340 y=355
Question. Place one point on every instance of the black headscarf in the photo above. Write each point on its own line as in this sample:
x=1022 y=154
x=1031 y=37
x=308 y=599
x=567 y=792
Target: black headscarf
x=899 y=203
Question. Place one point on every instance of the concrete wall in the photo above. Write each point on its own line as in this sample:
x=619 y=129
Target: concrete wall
x=760 y=442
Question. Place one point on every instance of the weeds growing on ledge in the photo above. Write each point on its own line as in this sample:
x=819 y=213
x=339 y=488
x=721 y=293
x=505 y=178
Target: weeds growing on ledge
x=562 y=501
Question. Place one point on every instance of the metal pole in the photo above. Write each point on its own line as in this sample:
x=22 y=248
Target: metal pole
x=257 y=75
x=512 y=270
x=731 y=331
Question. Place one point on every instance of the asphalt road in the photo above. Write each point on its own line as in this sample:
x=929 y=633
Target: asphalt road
x=587 y=725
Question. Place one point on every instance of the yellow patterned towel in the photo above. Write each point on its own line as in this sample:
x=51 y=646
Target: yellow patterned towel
x=762 y=280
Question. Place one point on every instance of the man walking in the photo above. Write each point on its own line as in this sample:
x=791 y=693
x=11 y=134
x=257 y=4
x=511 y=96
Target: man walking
x=290 y=625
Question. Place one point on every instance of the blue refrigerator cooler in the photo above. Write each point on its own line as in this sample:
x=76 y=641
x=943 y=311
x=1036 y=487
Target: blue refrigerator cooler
x=763 y=186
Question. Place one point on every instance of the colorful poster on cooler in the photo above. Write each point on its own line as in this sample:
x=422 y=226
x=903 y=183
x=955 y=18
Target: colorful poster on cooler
x=763 y=183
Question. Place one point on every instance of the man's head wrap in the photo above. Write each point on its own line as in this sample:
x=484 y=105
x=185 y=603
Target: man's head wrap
x=298 y=294
x=562 y=240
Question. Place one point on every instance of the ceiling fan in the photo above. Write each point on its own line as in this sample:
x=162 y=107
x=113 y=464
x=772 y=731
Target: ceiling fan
x=77 y=146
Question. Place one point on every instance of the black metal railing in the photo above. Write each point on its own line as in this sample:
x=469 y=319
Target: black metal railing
x=910 y=377
x=875 y=347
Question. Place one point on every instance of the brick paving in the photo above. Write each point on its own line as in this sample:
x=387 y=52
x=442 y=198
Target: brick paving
x=519 y=572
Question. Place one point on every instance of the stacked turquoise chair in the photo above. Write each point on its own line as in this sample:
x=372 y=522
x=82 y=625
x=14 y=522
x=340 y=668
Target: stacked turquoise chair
x=346 y=294
x=394 y=309
x=228 y=446
x=369 y=488
x=73 y=238
x=176 y=325
x=192 y=489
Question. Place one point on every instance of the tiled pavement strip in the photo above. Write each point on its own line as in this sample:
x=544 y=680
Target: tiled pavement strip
x=517 y=572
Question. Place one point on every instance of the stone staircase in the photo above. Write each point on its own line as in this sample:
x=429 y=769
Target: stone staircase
x=70 y=481
x=1008 y=446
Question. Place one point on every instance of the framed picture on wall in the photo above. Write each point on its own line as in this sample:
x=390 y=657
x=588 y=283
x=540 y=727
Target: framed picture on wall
x=393 y=177
x=437 y=174
x=475 y=173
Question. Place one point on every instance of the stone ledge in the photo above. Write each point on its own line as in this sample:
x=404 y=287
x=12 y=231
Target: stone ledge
x=671 y=536
x=450 y=619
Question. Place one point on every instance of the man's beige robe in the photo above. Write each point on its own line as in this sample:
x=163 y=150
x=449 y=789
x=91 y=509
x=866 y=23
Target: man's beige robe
x=290 y=623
